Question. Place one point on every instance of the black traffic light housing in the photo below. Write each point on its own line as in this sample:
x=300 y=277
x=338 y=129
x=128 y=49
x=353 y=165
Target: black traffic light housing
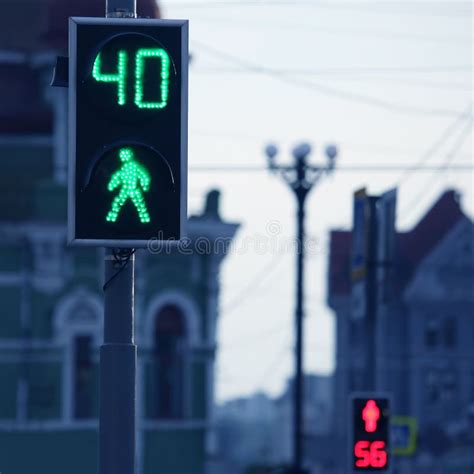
x=370 y=433
x=128 y=100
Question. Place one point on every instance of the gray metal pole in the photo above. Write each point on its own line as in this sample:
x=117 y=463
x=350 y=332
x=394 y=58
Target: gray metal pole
x=118 y=354
x=118 y=360
x=121 y=8
x=301 y=177
x=371 y=295
x=301 y=193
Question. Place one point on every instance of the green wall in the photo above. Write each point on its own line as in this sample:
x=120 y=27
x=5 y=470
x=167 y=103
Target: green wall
x=199 y=385
x=10 y=296
x=48 y=452
x=44 y=400
x=8 y=389
x=174 y=452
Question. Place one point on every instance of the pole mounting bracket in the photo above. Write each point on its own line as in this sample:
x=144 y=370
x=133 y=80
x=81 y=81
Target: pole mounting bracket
x=61 y=72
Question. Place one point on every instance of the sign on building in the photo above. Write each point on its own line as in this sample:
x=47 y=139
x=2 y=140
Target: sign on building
x=359 y=254
x=386 y=244
x=403 y=434
x=359 y=235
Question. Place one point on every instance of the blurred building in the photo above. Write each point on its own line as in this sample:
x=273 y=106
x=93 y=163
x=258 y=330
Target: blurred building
x=51 y=325
x=317 y=422
x=424 y=356
x=245 y=433
x=257 y=431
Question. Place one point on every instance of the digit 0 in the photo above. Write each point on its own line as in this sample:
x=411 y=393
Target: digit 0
x=140 y=57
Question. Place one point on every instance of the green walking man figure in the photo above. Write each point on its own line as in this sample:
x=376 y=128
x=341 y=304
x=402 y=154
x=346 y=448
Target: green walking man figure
x=133 y=178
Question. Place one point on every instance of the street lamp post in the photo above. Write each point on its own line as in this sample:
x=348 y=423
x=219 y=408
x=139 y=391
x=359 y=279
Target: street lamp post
x=300 y=177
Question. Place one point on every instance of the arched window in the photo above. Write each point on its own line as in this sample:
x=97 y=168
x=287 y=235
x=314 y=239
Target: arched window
x=78 y=328
x=169 y=363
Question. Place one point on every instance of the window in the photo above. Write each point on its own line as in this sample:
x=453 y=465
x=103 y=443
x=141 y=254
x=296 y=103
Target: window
x=450 y=332
x=432 y=334
x=449 y=380
x=83 y=378
x=169 y=363
x=432 y=385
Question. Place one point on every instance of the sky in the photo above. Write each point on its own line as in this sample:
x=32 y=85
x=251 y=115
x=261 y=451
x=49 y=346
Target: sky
x=388 y=83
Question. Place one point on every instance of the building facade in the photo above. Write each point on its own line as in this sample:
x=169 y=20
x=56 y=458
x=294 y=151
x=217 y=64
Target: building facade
x=424 y=324
x=51 y=325
x=257 y=431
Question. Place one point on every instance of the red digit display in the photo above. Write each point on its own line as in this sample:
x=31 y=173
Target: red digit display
x=370 y=454
x=378 y=455
x=362 y=453
x=370 y=445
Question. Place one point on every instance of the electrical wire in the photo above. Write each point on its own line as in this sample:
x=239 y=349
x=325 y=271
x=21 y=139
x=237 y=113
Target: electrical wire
x=349 y=7
x=436 y=145
x=413 y=204
x=122 y=258
x=358 y=147
x=252 y=286
x=324 y=89
x=247 y=341
x=447 y=86
x=352 y=168
x=270 y=370
x=264 y=336
x=305 y=27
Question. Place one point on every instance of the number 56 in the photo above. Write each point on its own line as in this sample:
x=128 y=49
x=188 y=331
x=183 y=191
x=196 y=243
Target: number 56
x=370 y=454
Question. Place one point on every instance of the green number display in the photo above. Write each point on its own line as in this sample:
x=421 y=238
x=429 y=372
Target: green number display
x=121 y=76
x=140 y=57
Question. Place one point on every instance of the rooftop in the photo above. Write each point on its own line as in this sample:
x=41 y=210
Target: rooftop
x=411 y=247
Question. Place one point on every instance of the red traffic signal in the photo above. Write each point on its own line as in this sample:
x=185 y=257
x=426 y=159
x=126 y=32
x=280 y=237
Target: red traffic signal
x=370 y=434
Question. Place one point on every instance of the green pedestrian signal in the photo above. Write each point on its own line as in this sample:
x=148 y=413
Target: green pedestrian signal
x=128 y=126
x=133 y=179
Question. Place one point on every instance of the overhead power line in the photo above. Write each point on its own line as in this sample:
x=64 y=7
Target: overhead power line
x=253 y=285
x=348 y=77
x=348 y=6
x=349 y=168
x=246 y=341
x=359 y=70
x=274 y=364
x=344 y=71
x=413 y=204
x=351 y=32
x=324 y=89
x=366 y=148
x=437 y=144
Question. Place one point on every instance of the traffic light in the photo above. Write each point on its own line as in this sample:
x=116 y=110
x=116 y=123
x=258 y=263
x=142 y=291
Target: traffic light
x=128 y=86
x=370 y=433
